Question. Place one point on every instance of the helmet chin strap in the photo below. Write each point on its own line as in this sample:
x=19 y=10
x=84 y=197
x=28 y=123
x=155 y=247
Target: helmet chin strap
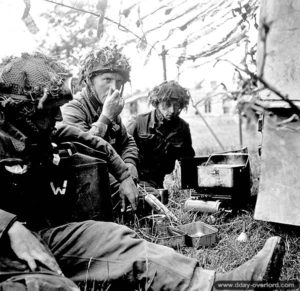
x=91 y=89
x=43 y=99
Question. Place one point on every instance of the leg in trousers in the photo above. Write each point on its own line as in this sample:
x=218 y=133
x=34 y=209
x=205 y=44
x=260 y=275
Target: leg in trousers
x=106 y=255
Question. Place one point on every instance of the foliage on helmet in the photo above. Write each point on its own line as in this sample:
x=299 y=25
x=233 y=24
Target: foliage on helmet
x=24 y=81
x=106 y=59
x=30 y=74
x=169 y=92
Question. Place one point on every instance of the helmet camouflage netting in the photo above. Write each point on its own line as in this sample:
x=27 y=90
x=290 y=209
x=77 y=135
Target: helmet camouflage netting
x=168 y=92
x=107 y=59
x=30 y=74
x=24 y=81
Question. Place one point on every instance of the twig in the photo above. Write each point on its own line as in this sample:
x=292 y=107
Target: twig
x=174 y=202
x=264 y=33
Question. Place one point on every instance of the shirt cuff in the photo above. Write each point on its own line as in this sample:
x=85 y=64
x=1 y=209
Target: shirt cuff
x=99 y=129
x=105 y=120
x=124 y=176
x=7 y=219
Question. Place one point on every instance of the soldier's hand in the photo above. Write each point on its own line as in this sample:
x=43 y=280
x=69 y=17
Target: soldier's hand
x=129 y=191
x=27 y=247
x=113 y=105
x=133 y=172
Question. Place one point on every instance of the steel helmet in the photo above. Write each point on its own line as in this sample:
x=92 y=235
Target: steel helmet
x=29 y=75
x=106 y=59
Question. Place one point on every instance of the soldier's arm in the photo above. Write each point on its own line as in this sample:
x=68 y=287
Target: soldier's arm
x=116 y=166
x=24 y=244
x=74 y=114
x=128 y=148
x=188 y=148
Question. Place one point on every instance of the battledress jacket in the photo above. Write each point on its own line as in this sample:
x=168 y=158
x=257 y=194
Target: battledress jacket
x=160 y=144
x=85 y=109
x=28 y=204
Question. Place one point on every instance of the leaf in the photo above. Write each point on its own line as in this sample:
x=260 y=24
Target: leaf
x=183 y=27
x=168 y=11
x=126 y=12
x=142 y=45
x=101 y=5
x=28 y=20
x=27 y=8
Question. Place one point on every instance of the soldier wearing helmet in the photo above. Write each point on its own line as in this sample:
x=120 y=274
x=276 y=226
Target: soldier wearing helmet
x=161 y=135
x=97 y=107
x=95 y=255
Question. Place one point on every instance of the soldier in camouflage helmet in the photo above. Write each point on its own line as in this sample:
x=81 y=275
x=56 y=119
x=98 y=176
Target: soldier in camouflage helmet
x=95 y=255
x=107 y=59
x=32 y=87
x=96 y=109
x=32 y=81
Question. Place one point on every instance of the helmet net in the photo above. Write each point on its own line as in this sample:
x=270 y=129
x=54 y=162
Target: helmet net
x=107 y=59
x=31 y=74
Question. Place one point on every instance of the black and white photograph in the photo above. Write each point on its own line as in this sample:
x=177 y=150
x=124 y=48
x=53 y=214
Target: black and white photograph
x=149 y=145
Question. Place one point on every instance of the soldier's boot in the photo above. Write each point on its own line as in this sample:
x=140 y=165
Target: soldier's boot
x=264 y=266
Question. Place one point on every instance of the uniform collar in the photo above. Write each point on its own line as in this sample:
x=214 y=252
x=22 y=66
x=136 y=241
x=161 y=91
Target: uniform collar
x=96 y=104
x=156 y=119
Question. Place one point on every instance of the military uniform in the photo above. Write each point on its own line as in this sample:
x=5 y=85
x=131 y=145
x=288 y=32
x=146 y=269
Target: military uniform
x=90 y=253
x=85 y=109
x=160 y=143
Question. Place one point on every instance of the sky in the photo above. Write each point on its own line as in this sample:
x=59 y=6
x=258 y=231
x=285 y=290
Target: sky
x=14 y=34
x=15 y=38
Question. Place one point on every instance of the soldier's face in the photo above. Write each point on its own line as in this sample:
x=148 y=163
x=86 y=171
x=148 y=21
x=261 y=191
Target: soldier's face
x=169 y=110
x=48 y=113
x=105 y=82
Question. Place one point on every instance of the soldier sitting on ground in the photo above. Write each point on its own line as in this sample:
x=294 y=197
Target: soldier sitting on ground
x=96 y=108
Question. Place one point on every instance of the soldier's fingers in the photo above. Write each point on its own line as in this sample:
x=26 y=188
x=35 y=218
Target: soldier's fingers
x=110 y=91
x=30 y=261
x=136 y=196
x=132 y=201
x=116 y=95
x=123 y=204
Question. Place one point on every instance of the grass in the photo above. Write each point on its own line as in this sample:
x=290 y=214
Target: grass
x=229 y=253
